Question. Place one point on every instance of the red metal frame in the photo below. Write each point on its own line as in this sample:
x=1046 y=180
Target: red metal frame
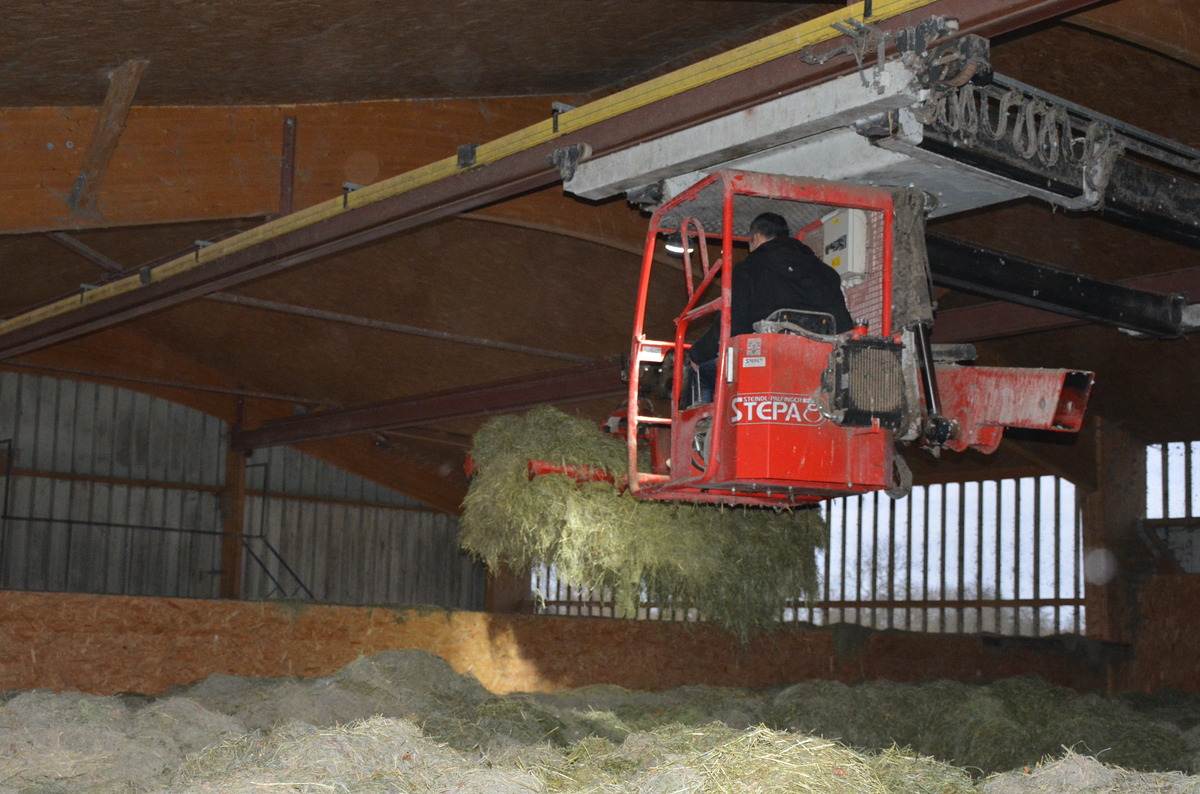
x=743 y=463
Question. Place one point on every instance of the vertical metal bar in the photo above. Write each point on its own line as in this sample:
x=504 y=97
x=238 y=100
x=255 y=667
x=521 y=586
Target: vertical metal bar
x=8 y=470
x=1037 y=556
x=960 y=586
x=845 y=549
x=979 y=498
x=1165 y=458
x=998 y=535
x=234 y=497
x=823 y=583
x=287 y=166
x=908 y=559
x=943 y=534
x=866 y=502
x=925 y=559
x=1077 y=563
x=889 y=614
x=1057 y=589
x=262 y=509
x=873 y=585
x=1188 y=493
x=1018 y=553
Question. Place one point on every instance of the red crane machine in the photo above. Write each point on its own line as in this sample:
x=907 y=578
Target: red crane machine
x=800 y=416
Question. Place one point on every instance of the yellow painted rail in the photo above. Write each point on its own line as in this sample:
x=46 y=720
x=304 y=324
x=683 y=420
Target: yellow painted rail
x=783 y=43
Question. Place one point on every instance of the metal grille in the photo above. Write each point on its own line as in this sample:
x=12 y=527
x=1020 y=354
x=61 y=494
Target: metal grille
x=997 y=557
x=868 y=383
x=1172 y=524
x=865 y=299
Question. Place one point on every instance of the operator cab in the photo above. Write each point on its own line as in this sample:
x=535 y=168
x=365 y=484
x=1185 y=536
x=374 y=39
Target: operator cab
x=799 y=414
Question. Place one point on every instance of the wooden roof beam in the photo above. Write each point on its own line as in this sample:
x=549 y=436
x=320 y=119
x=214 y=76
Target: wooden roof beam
x=518 y=394
x=182 y=164
x=123 y=83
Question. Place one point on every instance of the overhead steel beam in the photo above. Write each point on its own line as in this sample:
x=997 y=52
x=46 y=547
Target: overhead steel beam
x=1138 y=196
x=1153 y=202
x=974 y=268
x=301 y=238
x=398 y=328
x=86 y=251
x=517 y=394
x=998 y=319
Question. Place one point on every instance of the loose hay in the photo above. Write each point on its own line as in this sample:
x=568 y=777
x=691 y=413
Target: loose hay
x=903 y=771
x=1078 y=774
x=375 y=755
x=714 y=758
x=734 y=566
x=985 y=728
x=70 y=742
x=441 y=731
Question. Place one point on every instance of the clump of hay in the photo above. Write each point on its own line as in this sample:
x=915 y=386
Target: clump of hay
x=713 y=758
x=1074 y=773
x=734 y=567
x=986 y=728
x=375 y=755
x=904 y=771
x=74 y=742
x=634 y=710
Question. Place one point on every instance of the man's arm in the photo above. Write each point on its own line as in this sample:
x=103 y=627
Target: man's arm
x=741 y=316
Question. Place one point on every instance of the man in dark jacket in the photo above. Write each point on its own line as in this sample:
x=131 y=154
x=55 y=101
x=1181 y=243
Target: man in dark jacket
x=780 y=273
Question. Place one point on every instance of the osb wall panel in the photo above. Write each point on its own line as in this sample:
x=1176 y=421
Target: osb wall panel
x=110 y=644
x=1168 y=641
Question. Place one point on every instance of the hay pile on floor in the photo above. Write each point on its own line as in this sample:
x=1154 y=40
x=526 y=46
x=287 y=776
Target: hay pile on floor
x=715 y=758
x=83 y=743
x=375 y=755
x=989 y=728
x=734 y=566
x=1076 y=773
x=441 y=731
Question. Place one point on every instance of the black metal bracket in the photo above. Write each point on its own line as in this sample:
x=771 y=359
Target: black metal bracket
x=347 y=189
x=566 y=160
x=557 y=108
x=956 y=63
x=646 y=197
x=466 y=155
x=916 y=39
x=201 y=244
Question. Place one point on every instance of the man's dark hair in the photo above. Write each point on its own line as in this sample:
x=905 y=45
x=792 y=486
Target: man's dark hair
x=770 y=225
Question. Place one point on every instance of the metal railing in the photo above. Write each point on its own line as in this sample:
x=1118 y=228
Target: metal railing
x=997 y=557
x=1171 y=528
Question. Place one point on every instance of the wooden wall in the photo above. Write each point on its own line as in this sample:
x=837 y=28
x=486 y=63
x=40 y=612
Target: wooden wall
x=1168 y=639
x=109 y=644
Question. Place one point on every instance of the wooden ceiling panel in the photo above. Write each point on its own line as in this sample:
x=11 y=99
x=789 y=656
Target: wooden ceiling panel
x=234 y=52
x=482 y=281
